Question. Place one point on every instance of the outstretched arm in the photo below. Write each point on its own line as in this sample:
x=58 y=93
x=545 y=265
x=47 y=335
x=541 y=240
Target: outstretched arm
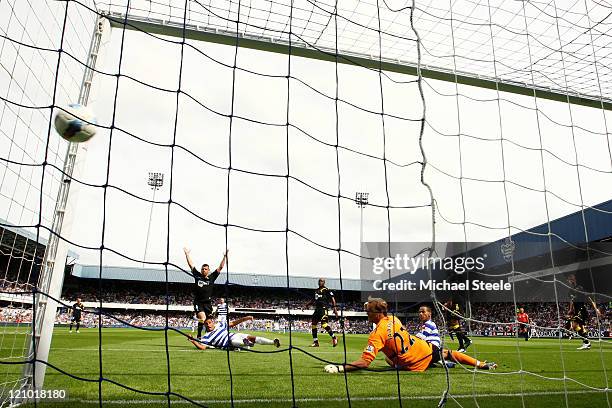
x=222 y=264
x=198 y=344
x=241 y=320
x=375 y=343
x=355 y=365
x=333 y=301
x=571 y=310
x=595 y=307
x=188 y=257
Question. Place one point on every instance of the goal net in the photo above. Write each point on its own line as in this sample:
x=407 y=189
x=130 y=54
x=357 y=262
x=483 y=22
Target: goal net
x=465 y=122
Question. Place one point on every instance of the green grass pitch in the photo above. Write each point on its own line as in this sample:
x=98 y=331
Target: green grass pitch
x=138 y=359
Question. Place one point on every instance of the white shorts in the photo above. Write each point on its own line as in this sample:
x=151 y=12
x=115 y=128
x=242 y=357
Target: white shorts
x=240 y=340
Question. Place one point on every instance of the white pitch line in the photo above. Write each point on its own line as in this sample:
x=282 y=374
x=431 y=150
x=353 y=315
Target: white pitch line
x=162 y=399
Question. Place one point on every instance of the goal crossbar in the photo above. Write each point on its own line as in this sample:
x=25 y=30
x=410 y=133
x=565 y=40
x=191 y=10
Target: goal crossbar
x=281 y=46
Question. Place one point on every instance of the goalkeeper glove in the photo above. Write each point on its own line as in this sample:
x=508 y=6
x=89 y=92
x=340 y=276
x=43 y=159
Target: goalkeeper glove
x=333 y=369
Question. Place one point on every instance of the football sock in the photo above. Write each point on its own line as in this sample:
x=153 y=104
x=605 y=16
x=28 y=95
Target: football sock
x=460 y=338
x=200 y=327
x=465 y=359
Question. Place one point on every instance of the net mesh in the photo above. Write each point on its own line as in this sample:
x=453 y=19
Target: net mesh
x=277 y=144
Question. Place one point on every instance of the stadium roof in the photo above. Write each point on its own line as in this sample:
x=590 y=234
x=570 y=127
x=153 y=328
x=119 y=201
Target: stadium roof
x=569 y=232
x=178 y=276
x=23 y=238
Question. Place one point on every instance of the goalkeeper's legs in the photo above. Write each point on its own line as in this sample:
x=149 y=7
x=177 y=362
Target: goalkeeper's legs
x=461 y=358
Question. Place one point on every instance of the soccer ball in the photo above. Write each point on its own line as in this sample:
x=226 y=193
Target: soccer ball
x=75 y=123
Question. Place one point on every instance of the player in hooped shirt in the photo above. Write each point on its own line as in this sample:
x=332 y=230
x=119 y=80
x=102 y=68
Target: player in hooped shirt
x=222 y=310
x=218 y=336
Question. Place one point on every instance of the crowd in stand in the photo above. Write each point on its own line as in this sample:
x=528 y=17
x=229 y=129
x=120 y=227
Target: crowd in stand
x=487 y=319
x=179 y=320
x=255 y=299
x=16 y=315
x=8 y=286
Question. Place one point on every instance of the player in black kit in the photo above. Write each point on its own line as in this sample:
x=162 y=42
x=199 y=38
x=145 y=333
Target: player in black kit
x=578 y=315
x=77 y=310
x=203 y=288
x=454 y=315
x=322 y=298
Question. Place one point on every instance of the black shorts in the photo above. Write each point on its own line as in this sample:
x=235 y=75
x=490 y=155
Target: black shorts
x=320 y=315
x=581 y=317
x=454 y=326
x=203 y=306
x=436 y=355
x=75 y=319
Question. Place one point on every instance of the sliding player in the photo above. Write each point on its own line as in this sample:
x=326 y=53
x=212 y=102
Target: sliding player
x=322 y=298
x=523 y=328
x=402 y=350
x=76 y=312
x=578 y=315
x=218 y=336
x=453 y=318
x=203 y=288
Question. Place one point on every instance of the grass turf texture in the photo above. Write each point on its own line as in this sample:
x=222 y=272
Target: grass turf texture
x=138 y=359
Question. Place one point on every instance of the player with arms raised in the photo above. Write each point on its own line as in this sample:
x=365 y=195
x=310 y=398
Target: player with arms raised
x=322 y=298
x=401 y=350
x=203 y=288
